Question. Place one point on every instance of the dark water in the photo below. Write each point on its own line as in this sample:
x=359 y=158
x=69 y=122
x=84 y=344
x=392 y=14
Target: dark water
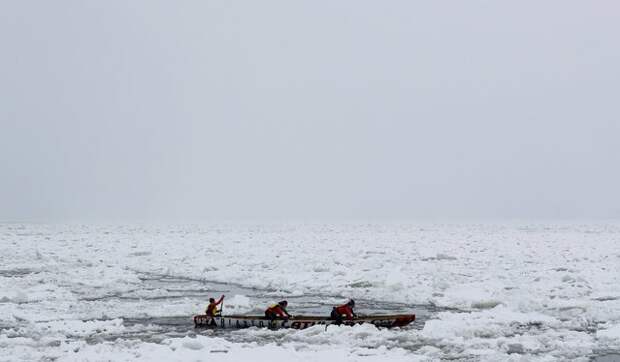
x=607 y=357
x=156 y=329
x=306 y=304
x=16 y=273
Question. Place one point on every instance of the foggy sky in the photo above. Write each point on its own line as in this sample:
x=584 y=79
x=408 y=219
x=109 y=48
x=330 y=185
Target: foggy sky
x=191 y=110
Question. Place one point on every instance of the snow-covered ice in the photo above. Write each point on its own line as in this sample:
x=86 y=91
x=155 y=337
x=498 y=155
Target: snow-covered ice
x=500 y=291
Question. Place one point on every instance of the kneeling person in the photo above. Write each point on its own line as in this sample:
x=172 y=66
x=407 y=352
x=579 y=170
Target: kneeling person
x=342 y=311
x=212 y=310
x=277 y=310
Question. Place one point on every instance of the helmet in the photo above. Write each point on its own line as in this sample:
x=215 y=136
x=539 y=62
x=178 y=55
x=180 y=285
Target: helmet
x=283 y=303
x=351 y=303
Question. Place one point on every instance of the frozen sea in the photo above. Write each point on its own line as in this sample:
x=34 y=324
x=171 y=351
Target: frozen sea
x=482 y=292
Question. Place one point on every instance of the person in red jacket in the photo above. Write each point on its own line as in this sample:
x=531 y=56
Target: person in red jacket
x=212 y=310
x=343 y=311
x=277 y=311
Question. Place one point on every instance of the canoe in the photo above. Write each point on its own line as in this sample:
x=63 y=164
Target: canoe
x=299 y=322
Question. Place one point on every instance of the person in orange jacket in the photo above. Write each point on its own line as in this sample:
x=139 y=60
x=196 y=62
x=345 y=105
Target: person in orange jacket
x=342 y=311
x=212 y=310
x=277 y=311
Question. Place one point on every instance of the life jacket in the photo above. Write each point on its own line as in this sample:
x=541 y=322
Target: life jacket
x=275 y=309
x=344 y=309
x=212 y=309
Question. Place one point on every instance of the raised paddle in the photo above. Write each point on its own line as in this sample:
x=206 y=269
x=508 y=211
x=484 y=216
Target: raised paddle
x=222 y=311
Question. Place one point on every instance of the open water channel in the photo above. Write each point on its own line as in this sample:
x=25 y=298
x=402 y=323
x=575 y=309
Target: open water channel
x=157 y=329
x=157 y=289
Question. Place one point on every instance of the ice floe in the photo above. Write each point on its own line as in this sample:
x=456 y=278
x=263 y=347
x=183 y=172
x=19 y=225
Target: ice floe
x=502 y=292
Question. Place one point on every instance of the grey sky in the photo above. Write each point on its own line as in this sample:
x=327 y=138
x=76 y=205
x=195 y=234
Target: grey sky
x=309 y=109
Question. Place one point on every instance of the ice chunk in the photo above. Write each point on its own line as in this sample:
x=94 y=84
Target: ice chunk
x=441 y=256
x=193 y=344
x=610 y=333
x=239 y=303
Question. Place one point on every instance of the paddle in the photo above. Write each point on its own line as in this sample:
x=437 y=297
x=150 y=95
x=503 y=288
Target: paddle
x=222 y=312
